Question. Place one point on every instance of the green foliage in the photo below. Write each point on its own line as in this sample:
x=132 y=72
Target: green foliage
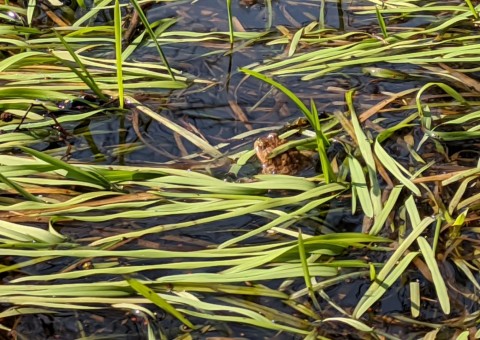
x=425 y=204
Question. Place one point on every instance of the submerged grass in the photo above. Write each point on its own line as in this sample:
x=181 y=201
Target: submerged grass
x=419 y=200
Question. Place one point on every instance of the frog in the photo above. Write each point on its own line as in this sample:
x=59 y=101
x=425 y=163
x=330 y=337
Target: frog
x=289 y=162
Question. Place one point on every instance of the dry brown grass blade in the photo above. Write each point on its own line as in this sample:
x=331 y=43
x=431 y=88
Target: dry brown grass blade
x=462 y=78
x=55 y=18
x=435 y=178
x=240 y=115
x=347 y=125
x=374 y=109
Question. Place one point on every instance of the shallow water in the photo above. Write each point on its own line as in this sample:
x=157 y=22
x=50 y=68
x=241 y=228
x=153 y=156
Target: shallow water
x=211 y=112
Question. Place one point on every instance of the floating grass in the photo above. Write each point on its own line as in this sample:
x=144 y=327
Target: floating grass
x=406 y=164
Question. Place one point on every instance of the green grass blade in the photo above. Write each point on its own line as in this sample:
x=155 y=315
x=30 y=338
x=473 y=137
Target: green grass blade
x=381 y=23
x=366 y=150
x=359 y=326
x=19 y=189
x=472 y=9
x=415 y=298
x=373 y=295
x=306 y=273
x=391 y=165
x=230 y=22
x=118 y=51
x=282 y=88
x=387 y=209
x=72 y=171
x=152 y=35
x=158 y=300
x=438 y=280
x=359 y=184
x=312 y=117
x=86 y=77
x=32 y=5
x=21 y=233
x=376 y=290
x=322 y=144
x=426 y=118
x=194 y=139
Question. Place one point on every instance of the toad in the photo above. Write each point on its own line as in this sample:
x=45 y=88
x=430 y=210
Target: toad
x=289 y=162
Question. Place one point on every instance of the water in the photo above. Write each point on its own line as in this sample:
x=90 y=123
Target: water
x=212 y=112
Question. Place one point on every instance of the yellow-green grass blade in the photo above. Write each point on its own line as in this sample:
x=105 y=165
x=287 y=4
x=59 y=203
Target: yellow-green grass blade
x=326 y=189
x=21 y=233
x=32 y=4
x=465 y=267
x=31 y=93
x=359 y=326
x=438 y=281
x=160 y=27
x=461 y=176
x=295 y=41
x=258 y=207
x=280 y=87
x=366 y=150
x=412 y=210
x=329 y=282
x=194 y=139
x=377 y=288
x=230 y=22
x=373 y=295
x=16 y=58
x=71 y=171
x=77 y=200
x=392 y=165
x=359 y=184
x=381 y=218
x=282 y=271
x=49 y=122
x=426 y=118
x=311 y=115
x=271 y=313
x=250 y=319
x=381 y=22
x=19 y=189
x=99 y=6
x=415 y=299
x=158 y=300
x=472 y=9
x=306 y=272
x=118 y=51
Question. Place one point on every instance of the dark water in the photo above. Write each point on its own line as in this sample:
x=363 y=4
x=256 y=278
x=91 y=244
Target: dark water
x=209 y=111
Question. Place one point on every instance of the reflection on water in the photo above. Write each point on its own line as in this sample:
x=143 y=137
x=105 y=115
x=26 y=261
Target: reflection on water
x=213 y=112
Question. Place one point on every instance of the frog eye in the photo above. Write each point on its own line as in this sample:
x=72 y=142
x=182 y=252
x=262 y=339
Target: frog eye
x=272 y=135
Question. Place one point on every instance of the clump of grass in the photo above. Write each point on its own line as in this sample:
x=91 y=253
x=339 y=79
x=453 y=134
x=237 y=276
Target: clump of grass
x=418 y=214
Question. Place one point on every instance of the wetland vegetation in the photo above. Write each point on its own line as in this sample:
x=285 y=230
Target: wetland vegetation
x=240 y=169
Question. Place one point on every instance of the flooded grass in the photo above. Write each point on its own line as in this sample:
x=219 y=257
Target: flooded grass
x=135 y=202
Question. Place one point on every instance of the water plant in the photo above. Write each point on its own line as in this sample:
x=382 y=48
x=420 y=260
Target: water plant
x=201 y=235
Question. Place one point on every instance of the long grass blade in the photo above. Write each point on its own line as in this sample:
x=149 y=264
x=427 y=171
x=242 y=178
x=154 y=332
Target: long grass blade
x=152 y=35
x=118 y=51
x=158 y=300
x=438 y=281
